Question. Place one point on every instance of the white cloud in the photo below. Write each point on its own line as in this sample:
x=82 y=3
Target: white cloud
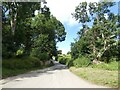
x=62 y=9
x=71 y=21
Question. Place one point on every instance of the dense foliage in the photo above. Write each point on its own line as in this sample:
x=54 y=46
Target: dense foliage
x=27 y=34
x=28 y=40
x=65 y=59
x=16 y=66
x=101 y=41
x=81 y=62
x=16 y=30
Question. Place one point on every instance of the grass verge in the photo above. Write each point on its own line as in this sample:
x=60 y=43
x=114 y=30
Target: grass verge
x=97 y=76
x=16 y=66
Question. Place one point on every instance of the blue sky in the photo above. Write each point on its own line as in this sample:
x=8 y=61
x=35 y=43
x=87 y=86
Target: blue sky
x=62 y=10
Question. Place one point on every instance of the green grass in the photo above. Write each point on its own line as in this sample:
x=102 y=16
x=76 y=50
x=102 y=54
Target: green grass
x=16 y=66
x=112 y=66
x=81 y=62
x=13 y=72
x=98 y=76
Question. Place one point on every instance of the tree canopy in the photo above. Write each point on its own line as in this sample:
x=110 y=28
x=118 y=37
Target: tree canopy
x=99 y=41
x=25 y=33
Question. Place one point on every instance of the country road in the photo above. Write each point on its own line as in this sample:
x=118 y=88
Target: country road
x=57 y=76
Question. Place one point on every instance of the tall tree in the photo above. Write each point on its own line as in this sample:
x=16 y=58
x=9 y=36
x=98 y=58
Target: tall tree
x=44 y=25
x=52 y=28
x=102 y=35
x=15 y=25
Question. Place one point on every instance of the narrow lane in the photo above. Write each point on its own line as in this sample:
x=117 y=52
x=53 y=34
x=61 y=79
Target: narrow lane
x=57 y=76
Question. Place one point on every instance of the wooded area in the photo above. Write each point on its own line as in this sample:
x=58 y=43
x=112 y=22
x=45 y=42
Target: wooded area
x=99 y=42
x=25 y=34
x=94 y=55
x=29 y=40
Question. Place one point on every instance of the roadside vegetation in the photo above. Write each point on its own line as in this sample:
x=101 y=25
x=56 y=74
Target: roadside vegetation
x=97 y=76
x=28 y=40
x=105 y=74
x=64 y=59
x=94 y=54
x=22 y=65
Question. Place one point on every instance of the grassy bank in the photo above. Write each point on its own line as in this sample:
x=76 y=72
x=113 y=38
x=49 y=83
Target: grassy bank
x=16 y=66
x=98 y=76
x=112 y=66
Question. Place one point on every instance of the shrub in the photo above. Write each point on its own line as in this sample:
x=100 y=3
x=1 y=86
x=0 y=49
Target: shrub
x=62 y=59
x=43 y=56
x=70 y=63
x=15 y=66
x=81 y=62
x=24 y=63
x=107 y=66
x=65 y=59
x=19 y=52
x=113 y=59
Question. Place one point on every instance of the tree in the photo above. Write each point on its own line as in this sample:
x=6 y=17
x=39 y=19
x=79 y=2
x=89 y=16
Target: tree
x=44 y=25
x=97 y=40
x=68 y=52
x=51 y=28
x=15 y=19
x=59 y=52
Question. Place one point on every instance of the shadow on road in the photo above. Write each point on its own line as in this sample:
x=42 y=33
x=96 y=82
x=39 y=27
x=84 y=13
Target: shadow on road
x=32 y=74
x=57 y=66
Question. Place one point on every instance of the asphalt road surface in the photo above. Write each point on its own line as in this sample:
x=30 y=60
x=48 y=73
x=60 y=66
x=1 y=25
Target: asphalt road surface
x=57 y=76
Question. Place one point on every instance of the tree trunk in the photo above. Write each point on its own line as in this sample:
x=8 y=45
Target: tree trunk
x=13 y=24
x=94 y=47
x=13 y=13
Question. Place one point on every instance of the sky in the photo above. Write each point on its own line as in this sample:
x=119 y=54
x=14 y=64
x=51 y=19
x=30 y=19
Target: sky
x=62 y=10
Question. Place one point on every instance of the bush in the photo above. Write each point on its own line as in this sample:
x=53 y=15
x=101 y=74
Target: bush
x=19 y=52
x=43 y=56
x=70 y=63
x=62 y=60
x=107 y=66
x=81 y=62
x=15 y=66
x=65 y=59
x=24 y=63
x=113 y=59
